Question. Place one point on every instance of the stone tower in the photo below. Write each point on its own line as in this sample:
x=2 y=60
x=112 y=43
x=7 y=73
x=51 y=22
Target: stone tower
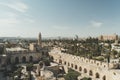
x=39 y=40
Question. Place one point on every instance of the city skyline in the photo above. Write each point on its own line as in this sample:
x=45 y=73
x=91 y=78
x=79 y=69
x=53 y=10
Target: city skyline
x=65 y=18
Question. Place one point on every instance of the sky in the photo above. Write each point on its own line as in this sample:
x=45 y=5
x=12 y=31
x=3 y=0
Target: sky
x=53 y=18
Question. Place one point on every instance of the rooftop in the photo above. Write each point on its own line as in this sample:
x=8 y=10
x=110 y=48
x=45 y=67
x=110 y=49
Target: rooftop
x=16 y=49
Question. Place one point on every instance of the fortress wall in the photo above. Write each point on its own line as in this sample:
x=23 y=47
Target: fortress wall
x=97 y=70
x=26 y=56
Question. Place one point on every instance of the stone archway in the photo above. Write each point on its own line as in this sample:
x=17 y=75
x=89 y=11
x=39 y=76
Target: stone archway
x=90 y=73
x=104 y=77
x=60 y=61
x=85 y=70
x=72 y=65
x=23 y=59
x=65 y=63
x=97 y=75
x=16 y=60
x=80 y=68
x=75 y=66
x=30 y=59
x=68 y=64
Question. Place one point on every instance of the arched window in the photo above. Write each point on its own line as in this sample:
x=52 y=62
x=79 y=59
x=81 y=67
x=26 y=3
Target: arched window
x=68 y=64
x=97 y=75
x=60 y=61
x=72 y=65
x=97 y=64
x=85 y=70
x=65 y=63
x=90 y=73
x=16 y=60
x=31 y=59
x=104 y=66
x=104 y=77
x=23 y=59
x=94 y=61
x=80 y=68
x=75 y=66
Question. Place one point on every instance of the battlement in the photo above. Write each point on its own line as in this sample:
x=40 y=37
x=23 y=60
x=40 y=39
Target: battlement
x=64 y=56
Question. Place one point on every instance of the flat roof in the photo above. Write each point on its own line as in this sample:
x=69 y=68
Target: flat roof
x=16 y=49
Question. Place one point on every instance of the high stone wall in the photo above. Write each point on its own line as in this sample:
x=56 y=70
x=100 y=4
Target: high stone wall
x=97 y=70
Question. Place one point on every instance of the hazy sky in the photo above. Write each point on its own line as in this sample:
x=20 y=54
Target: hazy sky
x=26 y=18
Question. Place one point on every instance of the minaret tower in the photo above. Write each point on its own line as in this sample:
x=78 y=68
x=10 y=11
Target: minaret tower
x=39 y=40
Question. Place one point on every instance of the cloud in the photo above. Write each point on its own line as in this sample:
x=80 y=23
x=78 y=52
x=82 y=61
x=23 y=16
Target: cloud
x=61 y=27
x=96 y=24
x=11 y=15
x=17 y=15
x=18 y=6
x=29 y=20
x=8 y=22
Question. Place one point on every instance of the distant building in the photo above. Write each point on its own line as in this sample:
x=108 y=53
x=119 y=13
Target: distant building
x=33 y=47
x=21 y=55
x=108 y=37
x=115 y=46
x=1 y=40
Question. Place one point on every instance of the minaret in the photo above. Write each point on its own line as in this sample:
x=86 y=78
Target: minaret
x=39 y=40
x=116 y=40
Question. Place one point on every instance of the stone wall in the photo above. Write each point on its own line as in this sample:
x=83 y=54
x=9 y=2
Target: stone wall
x=24 y=57
x=97 y=70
